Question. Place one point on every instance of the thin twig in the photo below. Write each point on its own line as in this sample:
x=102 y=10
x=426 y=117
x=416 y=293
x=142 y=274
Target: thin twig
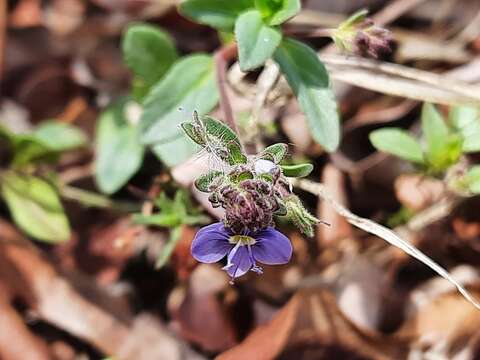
x=309 y=33
x=221 y=59
x=394 y=10
x=383 y=232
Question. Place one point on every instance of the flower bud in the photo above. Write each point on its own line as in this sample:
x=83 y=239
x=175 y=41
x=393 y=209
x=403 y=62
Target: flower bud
x=359 y=35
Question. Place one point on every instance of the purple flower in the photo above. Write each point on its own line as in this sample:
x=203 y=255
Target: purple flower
x=267 y=246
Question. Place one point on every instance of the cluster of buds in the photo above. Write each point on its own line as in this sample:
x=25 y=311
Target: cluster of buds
x=252 y=189
x=359 y=35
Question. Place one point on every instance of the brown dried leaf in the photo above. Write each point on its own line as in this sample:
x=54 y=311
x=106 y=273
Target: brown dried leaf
x=418 y=192
x=198 y=312
x=313 y=318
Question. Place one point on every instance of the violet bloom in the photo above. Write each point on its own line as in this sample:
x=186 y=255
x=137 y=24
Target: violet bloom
x=267 y=246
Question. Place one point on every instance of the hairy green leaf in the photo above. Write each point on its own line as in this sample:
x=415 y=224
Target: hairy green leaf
x=275 y=152
x=204 y=182
x=218 y=131
x=299 y=170
x=235 y=155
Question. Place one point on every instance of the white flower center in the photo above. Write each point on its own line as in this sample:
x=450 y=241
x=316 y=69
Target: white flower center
x=242 y=240
x=263 y=166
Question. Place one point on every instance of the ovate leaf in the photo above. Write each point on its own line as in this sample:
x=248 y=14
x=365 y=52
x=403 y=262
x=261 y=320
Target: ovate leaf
x=148 y=52
x=299 y=170
x=118 y=149
x=278 y=11
x=169 y=247
x=193 y=133
x=436 y=133
x=256 y=40
x=472 y=179
x=189 y=85
x=204 y=182
x=235 y=155
x=46 y=143
x=309 y=81
x=35 y=207
x=220 y=14
x=160 y=219
x=275 y=152
x=397 y=142
x=60 y=136
x=218 y=131
x=27 y=149
x=466 y=119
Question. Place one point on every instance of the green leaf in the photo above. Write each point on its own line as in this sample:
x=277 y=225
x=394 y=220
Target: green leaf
x=472 y=179
x=5 y=134
x=27 y=149
x=44 y=144
x=299 y=170
x=235 y=154
x=309 y=81
x=397 y=142
x=278 y=11
x=196 y=219
x=60 y=136
x=275 y=152
x=256 y=40
x=160 y=219
x=436 y=133
x=35 y=207
x=300 y=216
x=148 y=52
x=188 y=85
x=204 y=182
x=193 y=133
x=217 y=138
x=466 y=119
x=167 y=251
x=220 y=14
x=218 y=131
x=354 y=19
x=118 y=149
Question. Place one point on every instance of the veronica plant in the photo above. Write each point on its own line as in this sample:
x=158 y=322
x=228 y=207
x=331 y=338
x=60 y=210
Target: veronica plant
x=442 y=146
x=162 y=81
x=253 y=190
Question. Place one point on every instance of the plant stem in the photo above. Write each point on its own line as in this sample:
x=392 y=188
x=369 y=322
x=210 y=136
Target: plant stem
x=221 y=59
x=92 y=199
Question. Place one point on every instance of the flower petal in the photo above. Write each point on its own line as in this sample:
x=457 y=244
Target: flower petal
x=211 y=243
x=239 y=261
x=272 y=247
